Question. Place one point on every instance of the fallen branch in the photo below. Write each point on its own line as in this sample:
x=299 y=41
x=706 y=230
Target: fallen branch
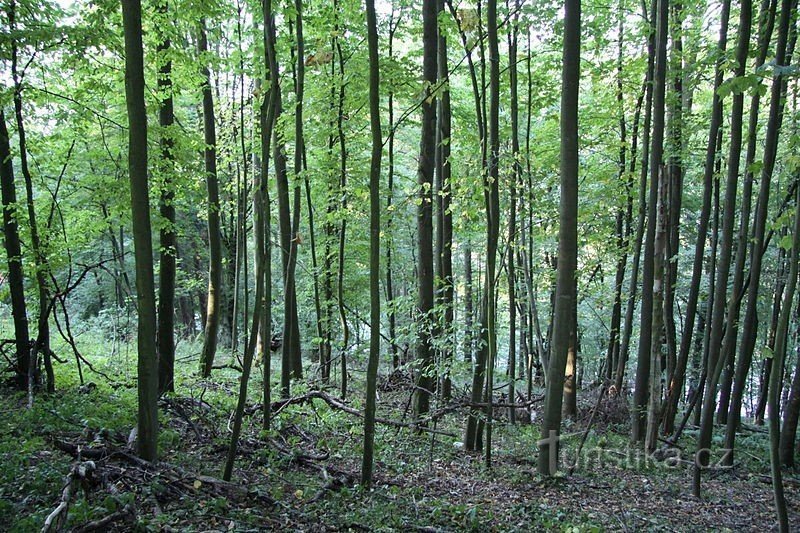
x=102 y=523
x=335 y=403
x=78 y=477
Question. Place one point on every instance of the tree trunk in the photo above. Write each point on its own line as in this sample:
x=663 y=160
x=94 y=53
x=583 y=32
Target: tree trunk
x=214 y=234
x=782 y=333
x=425 y=362
x=42 y=344
x=445 y=216
x=563 y=320
x=168 y=245
x=147 y=371
x=492 y=197
x=14 y=254
x=766 y=25
x=647 y=333
x=677 y=385
x=374 y=245
x=715 y=359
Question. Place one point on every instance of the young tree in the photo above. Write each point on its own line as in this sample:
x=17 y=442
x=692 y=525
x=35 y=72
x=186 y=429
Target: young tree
x=214 y=235
x=147 y=440
x=374 y=245
x=169 y=242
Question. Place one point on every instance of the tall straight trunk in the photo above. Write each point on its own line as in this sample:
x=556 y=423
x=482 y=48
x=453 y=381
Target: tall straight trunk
x=612 y=352
x=677 y=385
x=390 y=311
x=258 y=209
x=512 y=217
x=782 y=333
x=657 y=225
x=374 y=245
x=715 y=362
x=750 y=322
x=147 y=368
x=343 y=209
x=425 y=362
x=647 y=333
x=766 y=368
x=214 y=234
x=791 y=413
x=766 y=25
x=563 y=320
x=468 y=303
x=294 y=345
x=269 y=115
x=444 y=215
x=42 y=344
x=492 y=196
x=727 y=353
x=16 y=275
x=167 y=266
x=630 y=309
x=674 y=191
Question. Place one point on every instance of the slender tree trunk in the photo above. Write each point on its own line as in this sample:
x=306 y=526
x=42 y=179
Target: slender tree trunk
x=269 y=115
x=674 y=190
x=647 y=333
x=374 y=245
x=622 y=360
x=147 y=371
x=782 y=333
x=343 y=210
x=612 y=352
x=492 y=196
x=563 y=320
x=425 y=362
x=42 y=344
x=715 y=359
x=750 y=325
x=777 y=298
x=168 y=238
x=677 y=385
x=390 y=310
x=14 y=254
x=766 y=25
x=791 y=413
x=445 y=215
x=512 y=218
x=214 y=233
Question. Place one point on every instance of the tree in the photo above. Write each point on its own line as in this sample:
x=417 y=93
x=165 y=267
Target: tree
x=169 y=242
x=563 y=324
x=374 y=245
x=14 y=255
x=427 y=151
x=147 y=439
x=213 y=212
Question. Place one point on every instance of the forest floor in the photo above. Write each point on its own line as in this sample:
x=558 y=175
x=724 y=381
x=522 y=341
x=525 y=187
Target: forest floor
x=302 y=474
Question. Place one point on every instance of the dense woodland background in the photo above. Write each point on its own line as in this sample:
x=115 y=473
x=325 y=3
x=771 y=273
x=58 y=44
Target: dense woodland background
x=479 y=225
